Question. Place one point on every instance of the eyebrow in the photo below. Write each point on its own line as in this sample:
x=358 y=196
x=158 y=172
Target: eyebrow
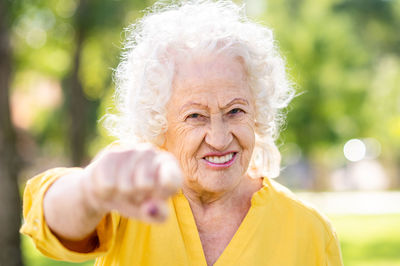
x=235 y=100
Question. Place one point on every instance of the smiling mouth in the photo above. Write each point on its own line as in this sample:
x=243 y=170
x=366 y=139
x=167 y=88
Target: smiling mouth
x=221 y=160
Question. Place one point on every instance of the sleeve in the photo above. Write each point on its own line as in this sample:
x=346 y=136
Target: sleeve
x=333 y=253
x=35 y=225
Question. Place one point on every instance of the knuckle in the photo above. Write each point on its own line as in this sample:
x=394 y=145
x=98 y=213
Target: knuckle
x=147 y=155
x=115 y=155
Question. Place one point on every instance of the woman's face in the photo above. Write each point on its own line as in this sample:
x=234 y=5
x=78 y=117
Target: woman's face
x=211 y=123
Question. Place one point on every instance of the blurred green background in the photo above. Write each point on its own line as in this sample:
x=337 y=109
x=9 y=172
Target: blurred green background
x=340 y=145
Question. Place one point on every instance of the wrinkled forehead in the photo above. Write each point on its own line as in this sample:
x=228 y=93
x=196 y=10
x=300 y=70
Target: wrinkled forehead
x=209 y=67
x=209 y=80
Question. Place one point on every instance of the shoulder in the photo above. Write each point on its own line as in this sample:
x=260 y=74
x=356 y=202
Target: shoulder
x=299 y=226
x=304 y=213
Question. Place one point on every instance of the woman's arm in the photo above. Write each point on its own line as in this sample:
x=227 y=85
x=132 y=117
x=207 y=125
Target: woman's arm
x=69 y=214
x=135 y=183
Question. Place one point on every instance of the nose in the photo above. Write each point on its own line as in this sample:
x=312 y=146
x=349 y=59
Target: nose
x=218 y=134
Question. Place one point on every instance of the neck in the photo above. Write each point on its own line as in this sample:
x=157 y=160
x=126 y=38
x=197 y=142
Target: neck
x=206 y=204
x=219 y=215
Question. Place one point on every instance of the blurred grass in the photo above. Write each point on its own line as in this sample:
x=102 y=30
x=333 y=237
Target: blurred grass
x=369 y=240
x=366 y=240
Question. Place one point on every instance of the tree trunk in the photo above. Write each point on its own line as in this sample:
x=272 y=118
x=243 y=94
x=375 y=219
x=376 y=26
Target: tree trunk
x=10 y=253
x=77 y=109
x=77 y=103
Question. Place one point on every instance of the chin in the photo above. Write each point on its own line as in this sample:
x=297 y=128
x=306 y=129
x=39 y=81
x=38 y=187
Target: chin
x=219 y=182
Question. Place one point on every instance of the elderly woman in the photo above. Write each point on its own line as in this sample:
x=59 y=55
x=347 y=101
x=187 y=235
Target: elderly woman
x=199 y=90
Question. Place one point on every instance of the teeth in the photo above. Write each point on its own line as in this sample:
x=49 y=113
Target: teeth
x=220 y=159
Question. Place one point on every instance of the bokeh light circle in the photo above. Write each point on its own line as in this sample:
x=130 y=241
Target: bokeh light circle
x=354 y=150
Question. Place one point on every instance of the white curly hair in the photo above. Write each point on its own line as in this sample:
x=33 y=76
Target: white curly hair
x=144 y=76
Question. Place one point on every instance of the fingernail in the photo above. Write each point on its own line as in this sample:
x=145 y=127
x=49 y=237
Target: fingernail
x=153 y=210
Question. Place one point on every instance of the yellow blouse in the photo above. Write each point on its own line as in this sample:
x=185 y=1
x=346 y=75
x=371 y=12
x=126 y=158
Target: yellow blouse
x=278 y=230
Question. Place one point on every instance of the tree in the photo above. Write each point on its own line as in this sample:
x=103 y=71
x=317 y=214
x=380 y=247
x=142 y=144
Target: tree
x=344 y=57
x=9 y=160
x=92 y=18
x=77 y=103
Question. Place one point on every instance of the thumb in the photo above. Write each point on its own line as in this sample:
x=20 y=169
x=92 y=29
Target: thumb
x=154 y=210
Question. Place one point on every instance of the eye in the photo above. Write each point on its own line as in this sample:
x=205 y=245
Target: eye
x=235 y=111
x=195 y=115
x=196 y=118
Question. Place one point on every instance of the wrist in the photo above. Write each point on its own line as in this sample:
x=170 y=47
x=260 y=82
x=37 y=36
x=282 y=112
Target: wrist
x=90 y=201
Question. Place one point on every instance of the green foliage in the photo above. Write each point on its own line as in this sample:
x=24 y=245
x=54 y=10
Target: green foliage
x=44 y=35
x=342 y=55
x=344 y=58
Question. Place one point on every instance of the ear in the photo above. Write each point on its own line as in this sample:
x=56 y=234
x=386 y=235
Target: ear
x=265 y=160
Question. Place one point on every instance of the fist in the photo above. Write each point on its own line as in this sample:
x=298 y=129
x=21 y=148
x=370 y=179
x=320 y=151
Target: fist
x=134 y=182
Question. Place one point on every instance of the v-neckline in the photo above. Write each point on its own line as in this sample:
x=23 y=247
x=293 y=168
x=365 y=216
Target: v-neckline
x=239 y=240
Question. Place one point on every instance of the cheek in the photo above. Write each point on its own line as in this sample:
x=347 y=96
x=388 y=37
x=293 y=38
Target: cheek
x=184 y=142
x=246 y=137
